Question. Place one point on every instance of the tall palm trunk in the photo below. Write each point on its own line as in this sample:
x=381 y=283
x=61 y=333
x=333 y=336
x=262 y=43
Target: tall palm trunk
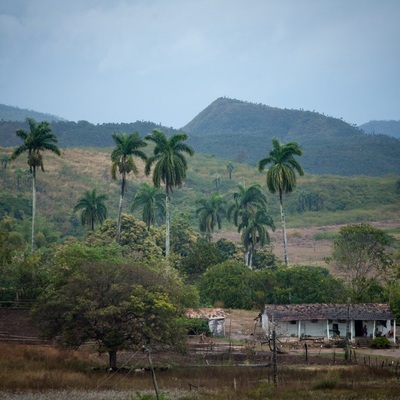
x=121 y=197
x=33 y=207
x=246 y=257
x=285 y=244
x=167 y=226
x=251 y=256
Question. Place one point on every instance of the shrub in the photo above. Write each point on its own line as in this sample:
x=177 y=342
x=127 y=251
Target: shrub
x=380 y=343
x=196 y=326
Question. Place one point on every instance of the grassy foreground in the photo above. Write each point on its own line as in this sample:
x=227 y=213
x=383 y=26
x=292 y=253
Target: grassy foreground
x=44 y=373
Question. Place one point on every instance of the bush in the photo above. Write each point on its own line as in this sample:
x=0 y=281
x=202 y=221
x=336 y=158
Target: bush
x=196 y=326
x=380 y=343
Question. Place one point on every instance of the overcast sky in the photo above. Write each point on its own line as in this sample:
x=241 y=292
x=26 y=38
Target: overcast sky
x=166 y=60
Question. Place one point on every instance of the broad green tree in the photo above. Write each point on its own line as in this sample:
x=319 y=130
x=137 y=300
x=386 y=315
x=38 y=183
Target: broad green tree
x=94 y=211
x=152 y=201
x=227 y=285
x=122 y=157
x=254 y=231
x=39 y=138
x=114 y=305
x=136 y=240
x=210 y=213
x=281 y=176
x=170 y=168
x=200 y=256
x=362 y=255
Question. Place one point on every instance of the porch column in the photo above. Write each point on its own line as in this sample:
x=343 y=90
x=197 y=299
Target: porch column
x=351 y=330
x=327 y=330
x=373 y=330
x=394 y=331
x=299 y=329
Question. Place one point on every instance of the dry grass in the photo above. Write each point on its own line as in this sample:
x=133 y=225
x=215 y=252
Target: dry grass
x=44 y=373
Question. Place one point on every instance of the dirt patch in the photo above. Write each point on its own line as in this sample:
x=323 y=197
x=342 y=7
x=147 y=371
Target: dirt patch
x=302 y=246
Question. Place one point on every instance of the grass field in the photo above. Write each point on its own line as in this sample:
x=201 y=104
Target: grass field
x=43 y=372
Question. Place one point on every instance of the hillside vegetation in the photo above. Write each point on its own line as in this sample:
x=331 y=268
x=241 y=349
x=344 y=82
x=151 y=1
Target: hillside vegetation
x=242 y=132
x=318 y=200
x=10 y=113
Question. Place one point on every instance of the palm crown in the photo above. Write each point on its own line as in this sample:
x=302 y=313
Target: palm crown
x=38 y=139
x=93 y=208
x=281 y=176
x=169 y=161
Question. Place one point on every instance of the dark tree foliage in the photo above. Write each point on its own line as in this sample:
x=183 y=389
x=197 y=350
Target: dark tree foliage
x=304 y=284
x=199 y=257
x=362 y=254
x=236 y=286
x=116 y=305
x=228 y=285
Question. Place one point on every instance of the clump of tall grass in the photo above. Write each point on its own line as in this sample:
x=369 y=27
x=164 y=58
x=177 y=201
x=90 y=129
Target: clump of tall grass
x=328 y=381
x=325 y=236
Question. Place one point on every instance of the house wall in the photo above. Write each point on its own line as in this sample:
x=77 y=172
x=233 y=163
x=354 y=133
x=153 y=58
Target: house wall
x=217 y=326
x=319 y=328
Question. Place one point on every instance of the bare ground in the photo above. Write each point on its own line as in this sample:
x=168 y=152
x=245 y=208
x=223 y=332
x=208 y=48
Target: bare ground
x=303 y=248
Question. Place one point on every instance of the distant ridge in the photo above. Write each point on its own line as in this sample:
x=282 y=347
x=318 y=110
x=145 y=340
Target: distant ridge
x=242 y=131
x=391 y=128
x=10 y=113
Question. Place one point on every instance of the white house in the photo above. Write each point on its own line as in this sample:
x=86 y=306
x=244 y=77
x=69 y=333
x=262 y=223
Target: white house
x=330 y=321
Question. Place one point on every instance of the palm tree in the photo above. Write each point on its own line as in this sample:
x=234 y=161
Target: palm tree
x=246 y=199
x=170 y=168
x=39 y=138
x=254 y=231
x=128 y=146
x=210 y=213
x=281 y=176
x=217 y=182
x=230 y=167
x=93 y=208
x=152 y=200
x=4 y=161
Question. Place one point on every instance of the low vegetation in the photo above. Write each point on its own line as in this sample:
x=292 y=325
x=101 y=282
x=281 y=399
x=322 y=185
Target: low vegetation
x=42 y=373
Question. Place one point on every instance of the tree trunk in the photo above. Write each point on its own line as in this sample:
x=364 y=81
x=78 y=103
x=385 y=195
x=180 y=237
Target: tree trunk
x=251 y=252
x=33 y=207
x=121 y=197
x=112 y=360
x=167 y=226
x=119 y=219
x=285 y=245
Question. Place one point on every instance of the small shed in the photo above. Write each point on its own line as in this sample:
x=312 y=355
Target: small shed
x=330 y=321
x=214 y=316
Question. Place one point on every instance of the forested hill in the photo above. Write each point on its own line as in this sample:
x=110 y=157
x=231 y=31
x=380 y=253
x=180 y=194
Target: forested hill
x=81 y=133
x=240 y=131
x=391 y=128
x=243 y=131
x=10 y=113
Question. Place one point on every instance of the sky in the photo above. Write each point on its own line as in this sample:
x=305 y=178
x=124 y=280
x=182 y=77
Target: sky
x=164 y=61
